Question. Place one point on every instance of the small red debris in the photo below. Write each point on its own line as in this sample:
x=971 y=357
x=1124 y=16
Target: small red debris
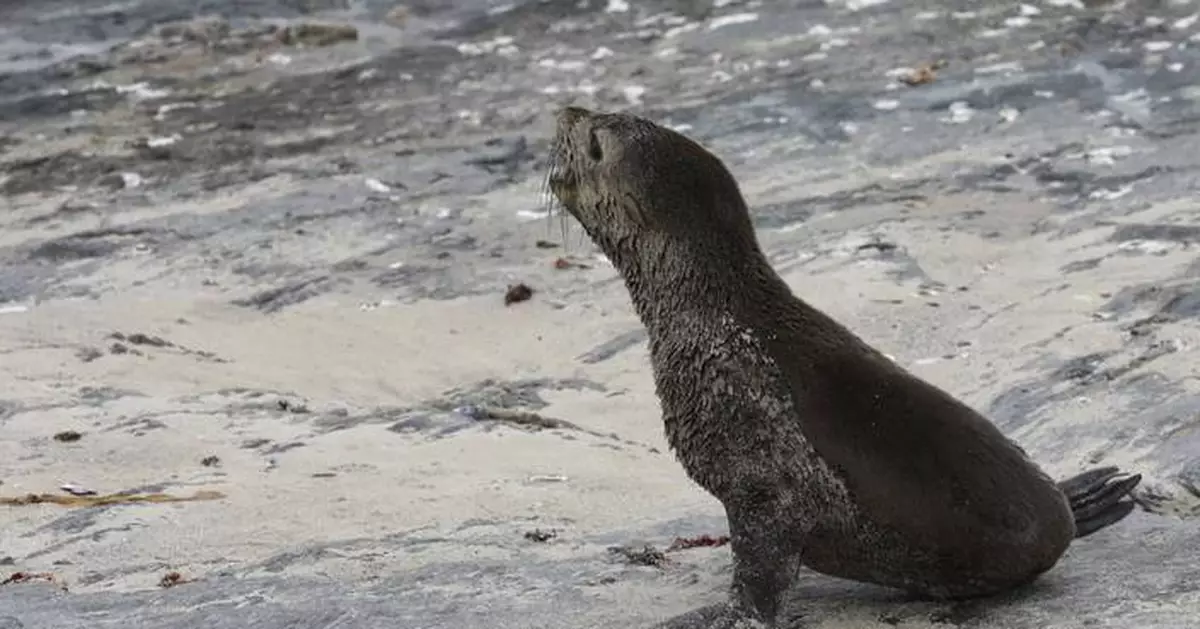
x=563 y=263
x=171 y=579
x=26 y=577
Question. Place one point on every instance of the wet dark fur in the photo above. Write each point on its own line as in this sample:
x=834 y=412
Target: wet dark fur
x=824 y=452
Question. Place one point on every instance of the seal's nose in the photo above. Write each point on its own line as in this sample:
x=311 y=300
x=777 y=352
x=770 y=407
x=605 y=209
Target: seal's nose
x=569 y=115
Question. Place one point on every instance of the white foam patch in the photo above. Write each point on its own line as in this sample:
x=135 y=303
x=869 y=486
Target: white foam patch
x=857 y=5
x=617 y=6
x=730 y=20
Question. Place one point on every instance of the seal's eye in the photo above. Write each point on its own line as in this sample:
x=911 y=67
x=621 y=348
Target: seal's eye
x=594 y=150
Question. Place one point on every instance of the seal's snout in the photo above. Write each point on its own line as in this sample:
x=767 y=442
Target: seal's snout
x=570 y=115
x=562 y=176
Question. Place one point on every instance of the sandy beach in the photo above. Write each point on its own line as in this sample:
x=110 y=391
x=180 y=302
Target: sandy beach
x=261 y=252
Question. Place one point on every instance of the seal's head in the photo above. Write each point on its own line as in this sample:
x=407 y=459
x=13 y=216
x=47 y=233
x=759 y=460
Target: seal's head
x=644 y=192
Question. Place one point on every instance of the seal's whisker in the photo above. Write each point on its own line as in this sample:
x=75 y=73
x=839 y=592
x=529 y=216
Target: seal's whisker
x=564 y=228
x=551 y=204
x=545 y=196
x=583 y=239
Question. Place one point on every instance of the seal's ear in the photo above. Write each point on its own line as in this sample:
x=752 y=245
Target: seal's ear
x=595 y=151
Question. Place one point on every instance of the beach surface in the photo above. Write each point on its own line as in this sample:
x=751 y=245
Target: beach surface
x=265 y=361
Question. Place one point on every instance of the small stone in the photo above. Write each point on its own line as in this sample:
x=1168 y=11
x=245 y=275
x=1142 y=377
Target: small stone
x=88 y=354
x=517 y=293
x=68 y=436
x=538 y=535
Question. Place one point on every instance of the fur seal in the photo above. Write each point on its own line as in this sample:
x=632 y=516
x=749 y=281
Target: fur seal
x=824 y=452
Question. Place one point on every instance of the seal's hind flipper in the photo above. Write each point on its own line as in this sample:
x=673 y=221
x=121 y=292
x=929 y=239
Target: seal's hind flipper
x=1097 y=500
x=1112 y=515
x=1088 y=481
x=1090 y=499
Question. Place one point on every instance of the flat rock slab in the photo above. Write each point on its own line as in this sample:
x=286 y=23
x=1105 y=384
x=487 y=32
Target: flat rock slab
x=1141 y=574
x=264 y=251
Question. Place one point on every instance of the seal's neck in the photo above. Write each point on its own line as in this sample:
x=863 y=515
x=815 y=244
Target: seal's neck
x=668 y=283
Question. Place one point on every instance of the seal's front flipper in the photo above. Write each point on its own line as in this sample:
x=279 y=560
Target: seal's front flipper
x=1097 y=498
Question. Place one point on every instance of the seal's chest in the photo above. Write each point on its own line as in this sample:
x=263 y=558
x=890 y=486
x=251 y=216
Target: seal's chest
x=728 y=411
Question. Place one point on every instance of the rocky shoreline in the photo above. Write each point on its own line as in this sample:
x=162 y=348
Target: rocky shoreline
x=259 y=252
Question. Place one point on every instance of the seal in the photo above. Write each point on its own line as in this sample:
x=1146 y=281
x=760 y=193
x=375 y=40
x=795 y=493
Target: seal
x=824 y=453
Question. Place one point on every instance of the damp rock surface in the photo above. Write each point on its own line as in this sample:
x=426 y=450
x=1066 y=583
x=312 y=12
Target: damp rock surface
x=261 y=251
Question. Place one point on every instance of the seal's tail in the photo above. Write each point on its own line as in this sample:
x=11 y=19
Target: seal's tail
x=1097 y=498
